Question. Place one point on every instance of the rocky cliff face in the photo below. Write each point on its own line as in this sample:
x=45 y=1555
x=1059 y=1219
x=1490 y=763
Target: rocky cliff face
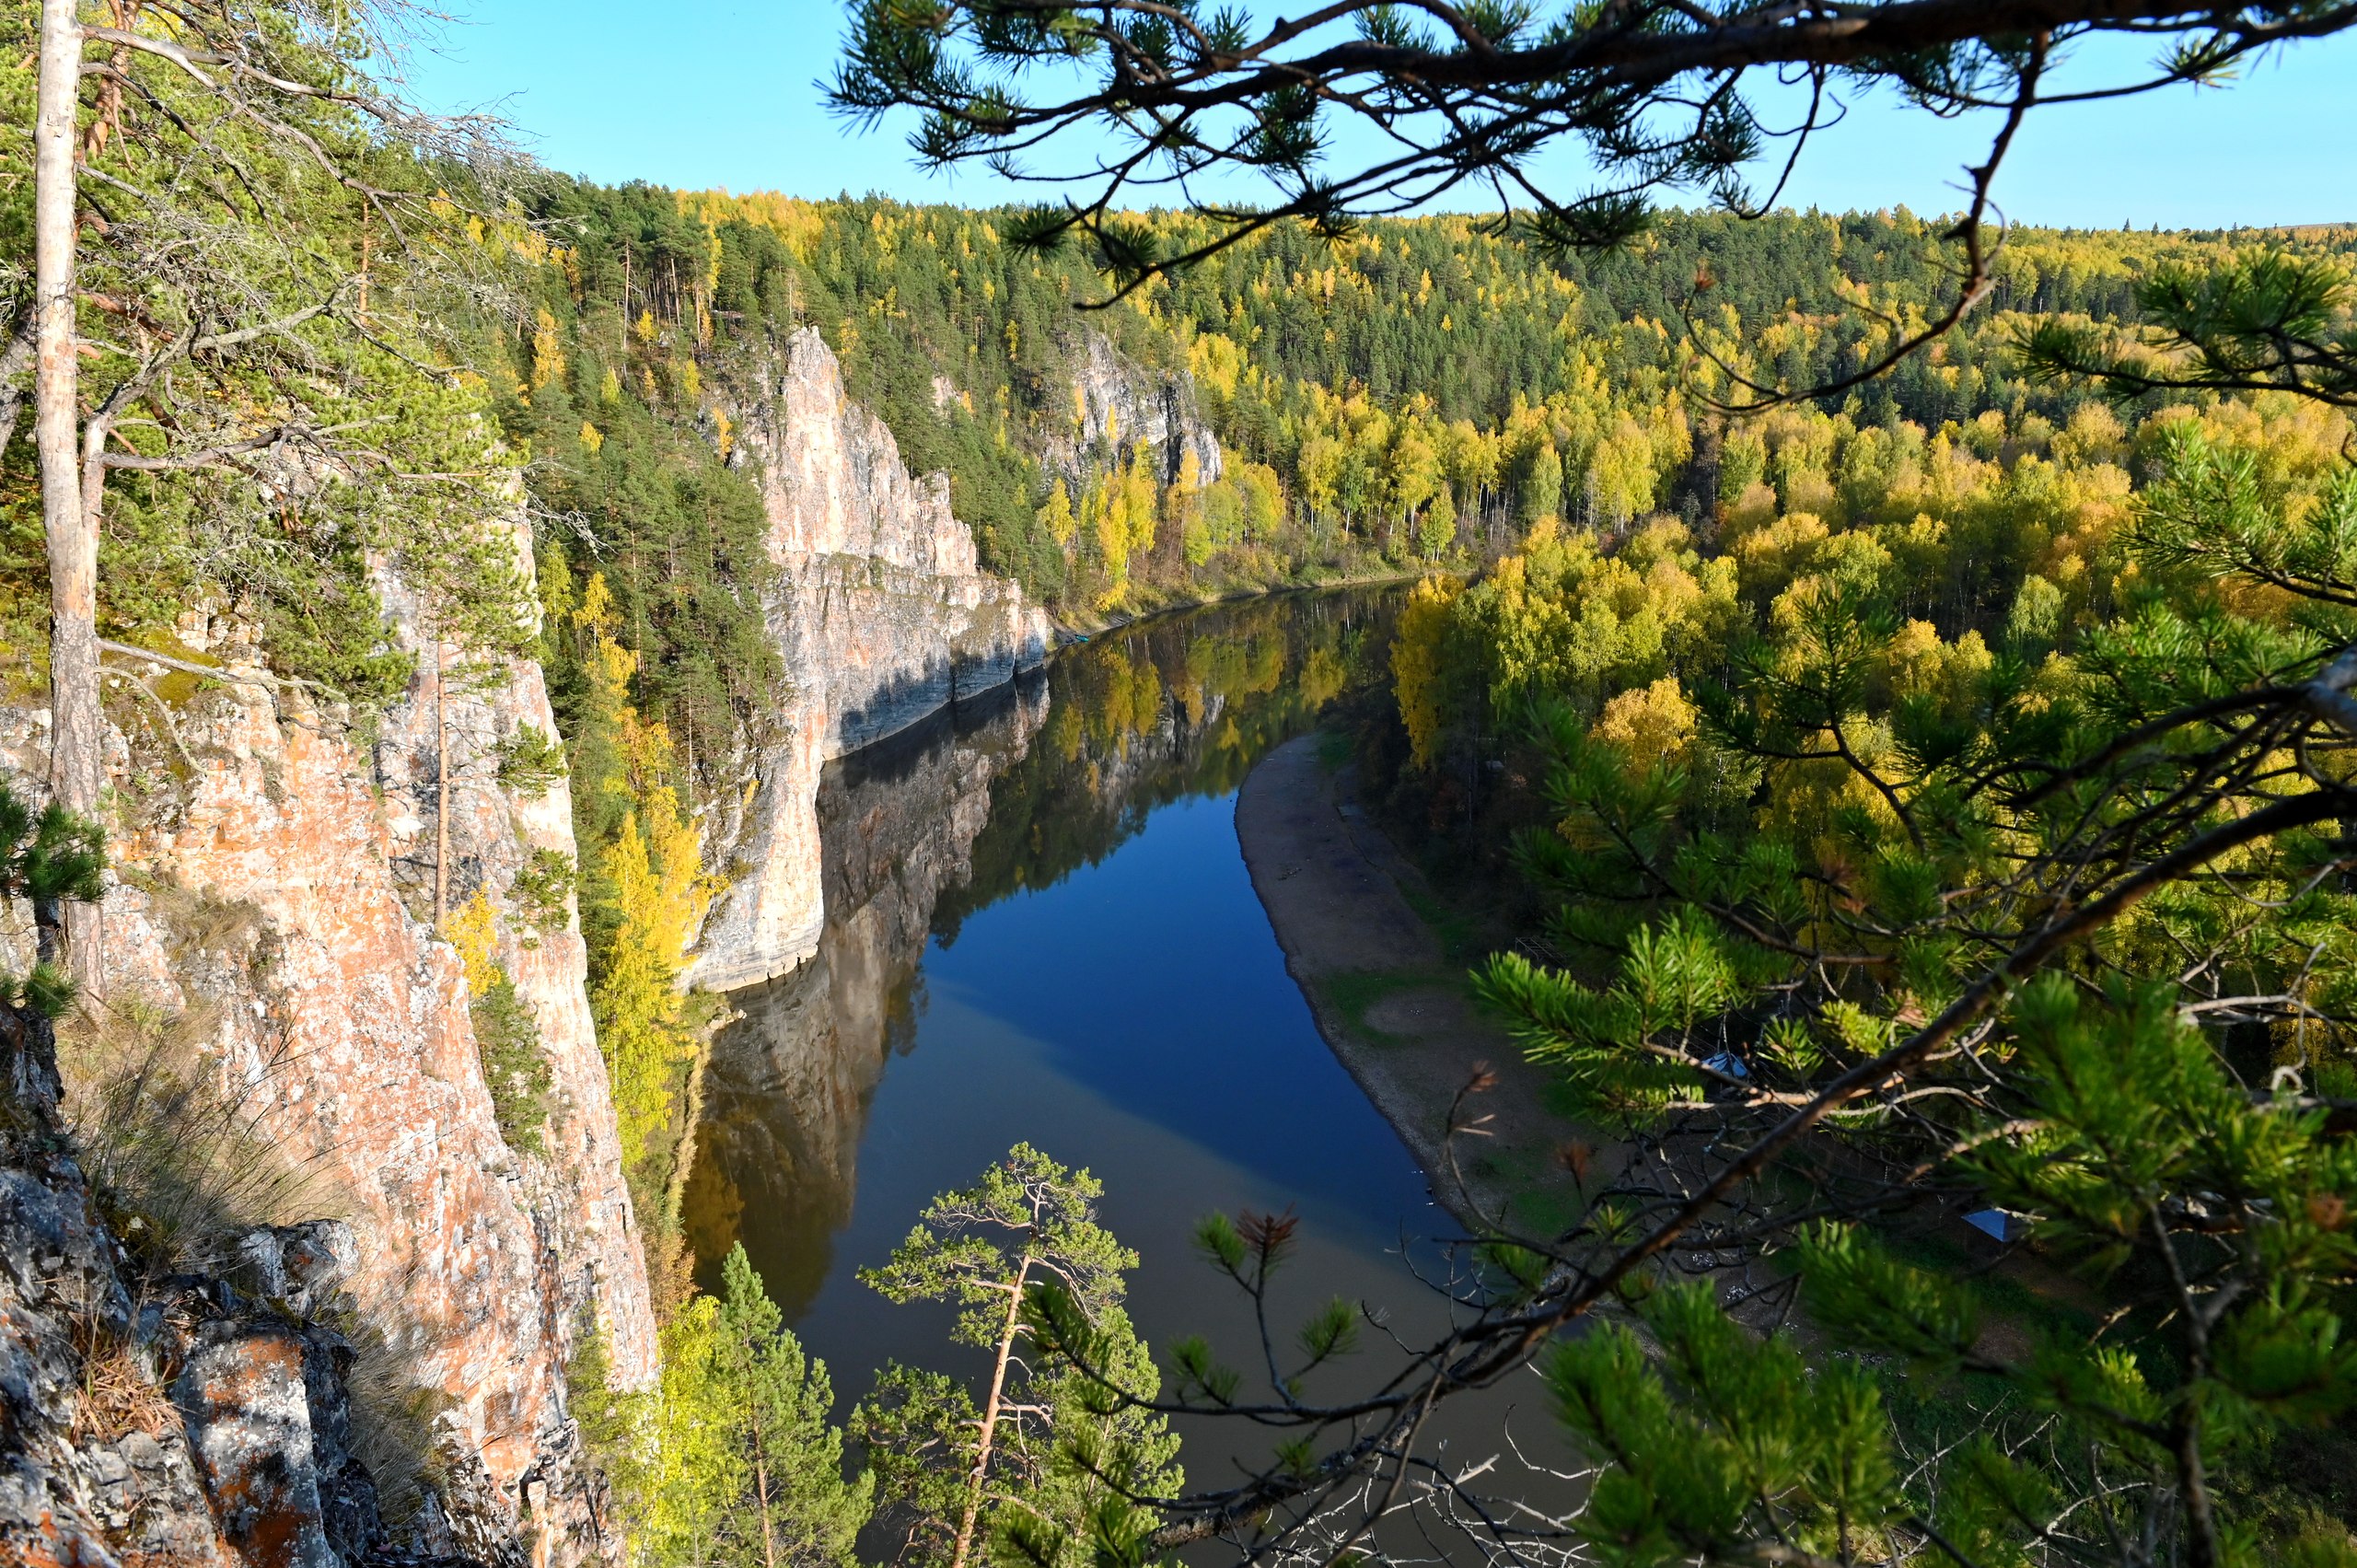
x=1121 y=404
x=267 y=893
x=787 y=1088
x=882 y=617
x=191 y=1420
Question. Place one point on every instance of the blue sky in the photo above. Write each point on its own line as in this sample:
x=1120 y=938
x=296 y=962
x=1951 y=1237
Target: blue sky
x=702 y=93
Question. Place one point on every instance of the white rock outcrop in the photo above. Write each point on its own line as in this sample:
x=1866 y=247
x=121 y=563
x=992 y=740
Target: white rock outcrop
x=881 y=614
x=1121 y=405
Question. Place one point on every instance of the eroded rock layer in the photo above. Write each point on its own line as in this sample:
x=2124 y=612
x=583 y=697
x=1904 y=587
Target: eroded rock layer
x=1121 y=406
x=272 y=893
x=882 y=617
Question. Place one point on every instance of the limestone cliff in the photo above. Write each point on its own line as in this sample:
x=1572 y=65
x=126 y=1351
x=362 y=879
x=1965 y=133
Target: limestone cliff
x=266 y=888
x=1120 y=405
x=881 y=615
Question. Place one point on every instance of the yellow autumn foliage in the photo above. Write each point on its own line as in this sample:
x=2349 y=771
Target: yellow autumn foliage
x=474 y=929
x=547 y=352
x=1651 y=725
x=662 y=893
x=1416 y=663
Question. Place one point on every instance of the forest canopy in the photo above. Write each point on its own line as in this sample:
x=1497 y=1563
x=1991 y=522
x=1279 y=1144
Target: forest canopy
x=1902 y=685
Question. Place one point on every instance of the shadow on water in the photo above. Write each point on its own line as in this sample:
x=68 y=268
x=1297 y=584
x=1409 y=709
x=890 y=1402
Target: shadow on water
x=1039 y=927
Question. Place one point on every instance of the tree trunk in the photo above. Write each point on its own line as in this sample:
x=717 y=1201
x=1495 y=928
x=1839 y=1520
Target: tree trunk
x=990 y=1418
x=761 y=1491
x=66 y=518
x=2201 y=1515
x=441 y=798
x=69 y=523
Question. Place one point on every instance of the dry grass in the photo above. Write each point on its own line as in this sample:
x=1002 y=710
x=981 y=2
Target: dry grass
x=121 y=1393
x=392 y=1423
x=185 y=1155
x=201 y=924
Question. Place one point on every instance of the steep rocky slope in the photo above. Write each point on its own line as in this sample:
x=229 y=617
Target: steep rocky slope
x=882 y=616
x=207 y=1424
x=271 y=911
x=1121 y=404
x=269 y=894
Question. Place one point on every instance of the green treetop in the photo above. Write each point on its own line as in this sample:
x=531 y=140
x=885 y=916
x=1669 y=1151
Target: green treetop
x=1047 y=1463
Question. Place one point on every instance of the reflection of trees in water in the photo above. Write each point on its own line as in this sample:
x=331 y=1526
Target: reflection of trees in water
x=1177 y=706
x=931 y=826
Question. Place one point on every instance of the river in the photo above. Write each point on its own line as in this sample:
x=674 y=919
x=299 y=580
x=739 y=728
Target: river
x=1040 y=928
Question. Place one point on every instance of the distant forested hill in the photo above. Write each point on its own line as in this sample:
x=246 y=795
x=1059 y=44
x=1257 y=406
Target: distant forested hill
x=1421 y=391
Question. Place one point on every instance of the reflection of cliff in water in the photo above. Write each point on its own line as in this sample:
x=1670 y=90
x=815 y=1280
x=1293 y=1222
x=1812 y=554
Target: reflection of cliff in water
x=785 y=1095
x=924 y=830
x=1177 y=706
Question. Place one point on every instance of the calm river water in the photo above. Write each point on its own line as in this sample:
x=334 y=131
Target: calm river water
x=1041 y=929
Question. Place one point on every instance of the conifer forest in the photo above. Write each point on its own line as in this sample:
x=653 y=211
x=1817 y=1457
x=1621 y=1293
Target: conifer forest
x=1445 y=864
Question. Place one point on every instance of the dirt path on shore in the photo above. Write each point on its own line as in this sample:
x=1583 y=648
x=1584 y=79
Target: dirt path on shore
x=1398 y=1012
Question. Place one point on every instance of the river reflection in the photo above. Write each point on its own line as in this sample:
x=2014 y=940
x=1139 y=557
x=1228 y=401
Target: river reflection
x=1040 y=928
x=787 y=1091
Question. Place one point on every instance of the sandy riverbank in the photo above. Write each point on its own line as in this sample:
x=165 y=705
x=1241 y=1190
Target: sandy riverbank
x=1398 y=1013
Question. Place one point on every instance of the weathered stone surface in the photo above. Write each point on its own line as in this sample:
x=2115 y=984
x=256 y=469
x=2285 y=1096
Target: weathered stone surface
x=55 y=1261
x=249 y=1413
x=299 y=1267
x=881 y=616
x=831 y=477
x=575 y=1195
x=274 y=885
x=1121 y=404
x=94 y=1469
x=50 y=1243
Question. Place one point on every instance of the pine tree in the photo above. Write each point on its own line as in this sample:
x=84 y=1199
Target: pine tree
x=807 y=1515
x=1036 y=1460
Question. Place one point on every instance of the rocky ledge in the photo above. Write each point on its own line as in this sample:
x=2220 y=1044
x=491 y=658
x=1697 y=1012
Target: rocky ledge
x=197 y=1419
